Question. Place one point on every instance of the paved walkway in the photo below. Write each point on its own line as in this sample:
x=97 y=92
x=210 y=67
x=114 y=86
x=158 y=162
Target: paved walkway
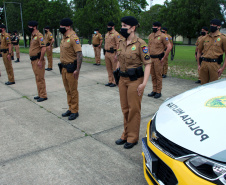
x=38 y=146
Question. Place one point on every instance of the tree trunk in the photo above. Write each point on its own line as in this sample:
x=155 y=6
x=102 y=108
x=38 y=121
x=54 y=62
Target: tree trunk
x=189 y=41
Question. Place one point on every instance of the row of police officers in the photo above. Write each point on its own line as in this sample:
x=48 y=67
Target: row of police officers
x=126 y=55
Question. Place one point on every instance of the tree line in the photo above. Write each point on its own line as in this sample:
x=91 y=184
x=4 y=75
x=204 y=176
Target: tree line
x=181 y=17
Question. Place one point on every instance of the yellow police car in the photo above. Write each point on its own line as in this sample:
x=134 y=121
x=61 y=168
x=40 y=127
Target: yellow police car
x=185 y=140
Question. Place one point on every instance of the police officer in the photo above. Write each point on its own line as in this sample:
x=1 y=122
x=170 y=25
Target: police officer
x=6 y=54
x=37 y=53
x=157 y=43
x=71 y=61
x=15 y=42
x=97 y=42
x=204 y=31
x=132 y=55
x=11 y=38
x=213 y=46
x=165 y=65
x=111 y=45
x=49 y=49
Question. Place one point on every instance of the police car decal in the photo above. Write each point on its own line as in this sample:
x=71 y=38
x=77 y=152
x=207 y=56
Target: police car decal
x=218 y=102
x=192 y=120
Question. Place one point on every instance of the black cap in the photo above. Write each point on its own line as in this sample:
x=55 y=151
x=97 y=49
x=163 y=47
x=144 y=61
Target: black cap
x=111 y=24
x=66 y=22
x=47 y=27
x=2 y=26
x=129 y=20
x=216 y=22
x=157 y=24
x=205 y=28
x=32 y=23
x=164 y=28
x=96 y=29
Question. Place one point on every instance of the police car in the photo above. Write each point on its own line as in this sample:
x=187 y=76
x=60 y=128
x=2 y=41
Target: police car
x=185 y=140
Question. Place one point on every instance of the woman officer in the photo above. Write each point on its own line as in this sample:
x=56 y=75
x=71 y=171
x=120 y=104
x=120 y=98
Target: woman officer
x=132 y=54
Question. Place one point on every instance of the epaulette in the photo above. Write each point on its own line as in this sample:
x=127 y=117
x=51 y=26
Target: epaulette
x=142 y=42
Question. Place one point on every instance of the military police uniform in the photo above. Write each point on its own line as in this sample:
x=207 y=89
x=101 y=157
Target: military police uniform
x=111 y=41
x=15 y=42
x=165 y=65
x=11 y=38
x=5 y=41
x=97 y=40
x=131 y=58
x=69 y=47
x=36 y=44
x=157 y=44
x=212 y=48
x=49 y=52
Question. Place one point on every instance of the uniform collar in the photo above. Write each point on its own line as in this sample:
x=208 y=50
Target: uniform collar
x=69 y=34
x=111 y=32
x=35 y=34
x=216 y=34
x=157 y=35
x=133 y=40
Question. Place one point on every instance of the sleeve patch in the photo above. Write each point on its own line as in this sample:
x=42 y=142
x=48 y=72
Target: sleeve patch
x=146 y=57
x=118 y=36
x=167 y=39
x=145 y=49
x=7 y=38
x=41 y=39
x=77 y=41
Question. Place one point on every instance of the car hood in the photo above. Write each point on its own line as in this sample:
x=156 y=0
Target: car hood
x=196 y=120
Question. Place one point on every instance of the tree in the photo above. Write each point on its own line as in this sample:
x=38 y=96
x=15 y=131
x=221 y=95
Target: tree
x=147 y=18
x=187 y=17
x=135 y=6
x=96 y=14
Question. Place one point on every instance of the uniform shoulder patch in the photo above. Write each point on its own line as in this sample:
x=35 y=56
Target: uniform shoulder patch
x=167 y=38
x=41 y=39
x=146 y=57
x=77 y=40
x=145 y=49
x=7 y=38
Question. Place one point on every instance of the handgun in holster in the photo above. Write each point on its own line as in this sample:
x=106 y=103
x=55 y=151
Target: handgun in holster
x=116 y=75
x=220 y=59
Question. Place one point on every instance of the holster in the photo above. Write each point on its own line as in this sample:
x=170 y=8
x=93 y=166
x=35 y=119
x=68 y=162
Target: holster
x=32 y=58
x=48 y=44
x=72 y=67
x=112 y=50
x=132 y=74
x=104 y=51
x=95 y=45
x=220 y=59
x=60 y=67
x=200 y=60
x=116 y=75
x=139 y=72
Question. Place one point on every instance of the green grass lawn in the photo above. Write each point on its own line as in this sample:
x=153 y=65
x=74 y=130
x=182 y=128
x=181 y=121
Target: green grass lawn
x=183 y=66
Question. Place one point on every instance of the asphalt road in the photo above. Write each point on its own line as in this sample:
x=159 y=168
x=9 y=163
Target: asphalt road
x=38 y=146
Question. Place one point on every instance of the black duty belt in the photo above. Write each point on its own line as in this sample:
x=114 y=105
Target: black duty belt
x=32 y=58
x=65 y=65
x=48 y=44
x=96 y=45
x=123 y=74
x=209 y=59
x=157 y=56
x=4 y=50
x=111 y=51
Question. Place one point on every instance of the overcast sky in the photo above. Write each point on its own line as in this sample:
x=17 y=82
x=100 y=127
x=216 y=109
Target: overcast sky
x=155 y=2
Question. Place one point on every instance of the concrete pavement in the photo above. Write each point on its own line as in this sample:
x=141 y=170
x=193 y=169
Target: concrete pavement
x=38 y=146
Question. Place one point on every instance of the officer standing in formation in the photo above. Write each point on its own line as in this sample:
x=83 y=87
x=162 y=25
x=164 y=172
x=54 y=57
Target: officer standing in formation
x=211 y=48
x=165 y=65
x=15 y=42
x=71 y=61
x=157 y=43
x=97 y=43
x=111 y=45
x=6 y=54
x=132 y=55
x=49 y=49
x=37 y=53
x=204 y=31
x=11 y=38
